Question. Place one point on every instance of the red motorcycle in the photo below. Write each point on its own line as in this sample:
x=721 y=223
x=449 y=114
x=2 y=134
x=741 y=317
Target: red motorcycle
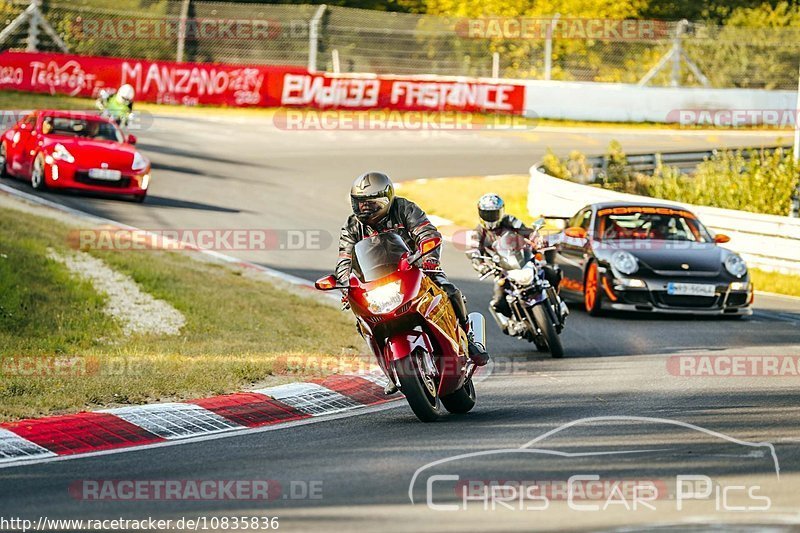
x=410 y=325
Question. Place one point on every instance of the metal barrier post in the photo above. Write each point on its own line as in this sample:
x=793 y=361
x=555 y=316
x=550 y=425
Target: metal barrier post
x=548 y=48
x=313 y=38
x=182 y=31
x=796 y=200
x=33 y=27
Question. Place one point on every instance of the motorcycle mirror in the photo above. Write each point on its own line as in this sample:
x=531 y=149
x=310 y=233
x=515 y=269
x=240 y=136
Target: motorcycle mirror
x=131 y=139
x=430 y=244
x=327 y=283
x=721 y=238
x=576 y=232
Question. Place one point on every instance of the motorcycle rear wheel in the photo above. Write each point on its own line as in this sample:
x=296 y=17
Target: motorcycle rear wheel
x=423 y=401
x=461 y=401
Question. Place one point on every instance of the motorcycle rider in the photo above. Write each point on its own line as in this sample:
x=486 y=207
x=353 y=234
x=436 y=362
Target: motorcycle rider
x=494 y=222
x=376 y=209
x=118 y=104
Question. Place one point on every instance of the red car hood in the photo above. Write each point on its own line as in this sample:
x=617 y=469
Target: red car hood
x=89 y=153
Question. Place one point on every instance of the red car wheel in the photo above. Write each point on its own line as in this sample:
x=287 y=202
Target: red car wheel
x=591 y=290
x=37 y=174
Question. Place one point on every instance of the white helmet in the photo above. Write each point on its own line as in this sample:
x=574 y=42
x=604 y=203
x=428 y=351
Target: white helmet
x=126 y=93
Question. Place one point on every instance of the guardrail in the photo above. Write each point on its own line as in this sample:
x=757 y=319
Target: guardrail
x=647 y=163
x=768 y=242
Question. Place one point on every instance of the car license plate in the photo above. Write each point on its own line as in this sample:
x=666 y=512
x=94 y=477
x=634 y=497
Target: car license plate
x=105 y=174
x=691 y=289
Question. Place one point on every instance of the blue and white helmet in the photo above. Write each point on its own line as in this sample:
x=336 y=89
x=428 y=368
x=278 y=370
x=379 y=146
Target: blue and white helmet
x=491 y=209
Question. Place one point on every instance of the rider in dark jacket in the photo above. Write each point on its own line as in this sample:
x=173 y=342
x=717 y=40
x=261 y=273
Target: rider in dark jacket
x=375 y=210
x=494 y=222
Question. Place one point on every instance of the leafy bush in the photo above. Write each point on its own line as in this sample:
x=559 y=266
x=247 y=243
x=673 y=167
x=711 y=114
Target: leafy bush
x=764 y=183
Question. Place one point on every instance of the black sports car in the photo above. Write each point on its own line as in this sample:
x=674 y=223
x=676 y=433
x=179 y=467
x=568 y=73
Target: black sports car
x=650 y=258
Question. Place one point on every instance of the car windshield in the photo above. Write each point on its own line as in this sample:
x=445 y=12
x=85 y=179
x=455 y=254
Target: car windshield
x=82 y=127
x=513 y=250
x=378 y=256
x=650 y=223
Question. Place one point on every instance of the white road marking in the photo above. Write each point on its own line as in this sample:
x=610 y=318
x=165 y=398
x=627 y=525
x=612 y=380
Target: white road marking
x=239 y=432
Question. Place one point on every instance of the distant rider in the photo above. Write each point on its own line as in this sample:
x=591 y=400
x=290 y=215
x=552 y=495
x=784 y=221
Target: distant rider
x=376 y=209
x=494 y=222
x=118 y=105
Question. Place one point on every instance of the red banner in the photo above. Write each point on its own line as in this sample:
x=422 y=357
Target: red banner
x=241 y=86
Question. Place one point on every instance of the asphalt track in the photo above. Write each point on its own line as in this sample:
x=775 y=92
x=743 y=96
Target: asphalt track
x=231 y=172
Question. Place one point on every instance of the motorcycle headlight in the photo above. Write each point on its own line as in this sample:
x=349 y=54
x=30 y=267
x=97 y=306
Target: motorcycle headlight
x=139 y=162
x=521 y=276
x=735 y=265
x=625 y=262
x=385 y=298
x=61 y=153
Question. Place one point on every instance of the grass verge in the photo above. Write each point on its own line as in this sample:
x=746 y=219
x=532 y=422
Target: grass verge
x=239 y=331
x=462 y=195
x=23 y=100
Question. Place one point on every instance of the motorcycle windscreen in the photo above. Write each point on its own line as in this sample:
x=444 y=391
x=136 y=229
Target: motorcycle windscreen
x=514 y=251
x=378 y=256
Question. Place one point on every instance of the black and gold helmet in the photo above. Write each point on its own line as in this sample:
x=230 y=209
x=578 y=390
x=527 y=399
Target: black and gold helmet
x=371 y=196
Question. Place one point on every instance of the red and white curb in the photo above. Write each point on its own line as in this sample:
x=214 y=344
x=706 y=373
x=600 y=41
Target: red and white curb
x=34 y=440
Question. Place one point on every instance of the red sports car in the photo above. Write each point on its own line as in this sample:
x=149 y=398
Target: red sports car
x=74 y=150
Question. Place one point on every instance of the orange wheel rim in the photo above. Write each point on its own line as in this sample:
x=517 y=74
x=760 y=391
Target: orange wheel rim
x=590 y=289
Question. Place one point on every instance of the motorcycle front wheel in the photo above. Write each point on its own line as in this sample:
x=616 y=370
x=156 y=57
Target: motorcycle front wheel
x=461 y=401
x=420 y=390
x=545 y=323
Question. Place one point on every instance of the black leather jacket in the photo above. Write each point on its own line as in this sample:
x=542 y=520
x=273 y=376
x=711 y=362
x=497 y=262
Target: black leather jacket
x=405 y=217
x=488 y=237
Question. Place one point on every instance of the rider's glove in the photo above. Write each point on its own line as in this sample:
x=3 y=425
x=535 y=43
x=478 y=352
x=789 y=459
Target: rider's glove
x=430 y=264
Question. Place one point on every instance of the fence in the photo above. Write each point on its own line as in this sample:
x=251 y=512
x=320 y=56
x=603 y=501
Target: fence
x=352 y=40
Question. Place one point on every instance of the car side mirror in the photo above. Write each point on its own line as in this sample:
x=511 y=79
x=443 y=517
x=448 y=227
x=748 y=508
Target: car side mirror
x=576 y=232
x=131 y=139
x=328 y=283
x=721 y=238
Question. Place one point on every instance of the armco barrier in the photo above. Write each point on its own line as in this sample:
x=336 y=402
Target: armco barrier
x=766 y=241
x=618 y=102
x=254 y=85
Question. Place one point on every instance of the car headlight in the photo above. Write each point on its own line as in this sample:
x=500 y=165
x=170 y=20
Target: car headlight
x=385 y=298
x=521 y=276
x=139 y=162
x=735 y=265
x=61 y=153
x=625 y=262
